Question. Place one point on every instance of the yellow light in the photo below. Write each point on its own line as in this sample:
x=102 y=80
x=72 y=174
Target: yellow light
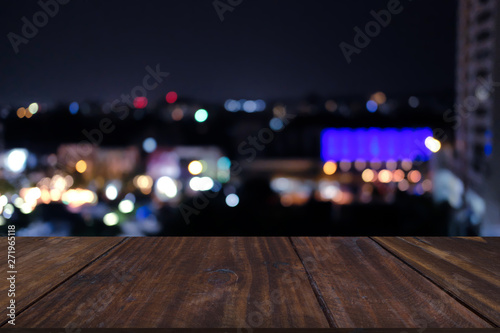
x=143 y=182
x=385 y=176
x=368 y=175
x=81 y=166
x=414 y=176
x=195 y=168
x=432 y=144
x=329 y=168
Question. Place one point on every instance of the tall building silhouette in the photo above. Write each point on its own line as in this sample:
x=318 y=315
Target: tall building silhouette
x=477 y=110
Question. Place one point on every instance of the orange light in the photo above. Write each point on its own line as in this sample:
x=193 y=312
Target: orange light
x=81 y=166
x=21 y=112
x=329 y=168
x=398 y=175
x=379 y=97
x=414 y=176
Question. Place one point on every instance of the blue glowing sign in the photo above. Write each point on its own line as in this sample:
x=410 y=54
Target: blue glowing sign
x=375 y=144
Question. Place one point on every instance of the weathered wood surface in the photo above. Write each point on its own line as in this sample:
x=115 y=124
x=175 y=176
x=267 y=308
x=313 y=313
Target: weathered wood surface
x=185 y=282
x=44 y=263
x=363 y=285
x=275 y=282
x=466 y=267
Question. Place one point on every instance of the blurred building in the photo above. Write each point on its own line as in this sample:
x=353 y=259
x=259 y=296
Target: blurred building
x=476 y=111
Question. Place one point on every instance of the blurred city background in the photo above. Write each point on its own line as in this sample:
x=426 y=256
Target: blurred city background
x=250 y=118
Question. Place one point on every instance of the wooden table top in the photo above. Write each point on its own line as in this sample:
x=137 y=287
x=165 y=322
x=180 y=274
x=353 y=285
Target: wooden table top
x=255 y=282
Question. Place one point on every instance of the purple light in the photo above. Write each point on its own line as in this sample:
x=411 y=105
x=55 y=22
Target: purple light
x=380 y=144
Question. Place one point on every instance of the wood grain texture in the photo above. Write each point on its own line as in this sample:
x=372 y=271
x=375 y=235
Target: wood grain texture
x=185 y=282
x=365 y=286
x=468 y=268
x=43 y=263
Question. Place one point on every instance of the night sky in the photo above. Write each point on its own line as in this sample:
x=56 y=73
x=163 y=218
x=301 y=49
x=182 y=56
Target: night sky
x=98 y=50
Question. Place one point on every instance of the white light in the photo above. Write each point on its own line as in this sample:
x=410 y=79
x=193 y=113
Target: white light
x=3 y=200
x=26 y=208
x=33 y=194
x=111 y=192
x=482 y=93
x=149 y=145
x=33 y=108
x=201 y=183
x=2 y=220
x=16 y=160
x=281 y=184
x=432 y=144
x=126 y=206
x=165 y=186
x=111 y=219
x=195 y=168
x=232 y=200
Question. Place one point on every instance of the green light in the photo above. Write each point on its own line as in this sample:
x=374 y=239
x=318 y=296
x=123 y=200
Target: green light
x=201 y=115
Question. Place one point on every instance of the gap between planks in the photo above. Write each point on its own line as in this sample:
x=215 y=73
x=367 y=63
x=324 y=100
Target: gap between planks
x=445 y=290
x=317 y=292
x=3 y=323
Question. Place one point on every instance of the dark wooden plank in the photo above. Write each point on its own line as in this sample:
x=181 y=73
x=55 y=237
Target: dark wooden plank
x=185 y=282
x=365 y=286
x=468 y=268
x=43 y=263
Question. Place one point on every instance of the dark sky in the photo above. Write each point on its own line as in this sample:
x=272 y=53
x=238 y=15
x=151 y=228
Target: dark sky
x=98 y=50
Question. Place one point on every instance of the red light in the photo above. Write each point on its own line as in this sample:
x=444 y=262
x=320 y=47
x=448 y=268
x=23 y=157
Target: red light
x=171 y=97
x=140 y=102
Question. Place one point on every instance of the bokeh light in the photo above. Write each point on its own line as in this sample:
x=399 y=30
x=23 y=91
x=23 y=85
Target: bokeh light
x=368 y=175
x=232 y=200
x=414 y=176
x=432 y=144
x=74 y=108
x=329 y=168
x=195 y=167
x=140 y=102
x=81 y=166
x=171 y=97
x=149 y=145
x=201 y=115
x=371 y=106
